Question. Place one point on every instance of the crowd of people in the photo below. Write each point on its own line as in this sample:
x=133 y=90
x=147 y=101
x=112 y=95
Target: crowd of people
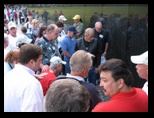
x=55 y=68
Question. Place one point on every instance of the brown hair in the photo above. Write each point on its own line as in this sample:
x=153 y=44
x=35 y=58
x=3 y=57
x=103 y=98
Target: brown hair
x=12 y=56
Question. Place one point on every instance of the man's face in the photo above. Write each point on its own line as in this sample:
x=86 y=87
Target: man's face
x=13 y=31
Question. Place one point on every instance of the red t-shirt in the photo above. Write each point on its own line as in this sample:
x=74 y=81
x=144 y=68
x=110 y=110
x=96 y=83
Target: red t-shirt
x=135 y=100
x=47 y=80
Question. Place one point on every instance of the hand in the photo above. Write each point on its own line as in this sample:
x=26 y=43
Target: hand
x=45 y=67
x=104 y=54
x=40 y=76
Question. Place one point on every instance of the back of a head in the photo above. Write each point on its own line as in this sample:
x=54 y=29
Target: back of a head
x=118 y=69
x=28 y=52
x=67 y=95
x=80 y=60
x=12 y=56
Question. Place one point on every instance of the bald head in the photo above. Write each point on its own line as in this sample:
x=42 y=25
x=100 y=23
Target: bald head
x=98 y=26
x=89 y=34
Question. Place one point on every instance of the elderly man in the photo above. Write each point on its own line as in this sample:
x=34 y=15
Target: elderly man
x=80 y=64
x=46 y=42
x=55 y=69
x=142 y=67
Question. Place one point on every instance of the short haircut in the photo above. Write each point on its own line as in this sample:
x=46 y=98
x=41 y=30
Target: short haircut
x=28 y=52
x=67 y=95
x=23 y=29
x=118 y=69
x=80 y=60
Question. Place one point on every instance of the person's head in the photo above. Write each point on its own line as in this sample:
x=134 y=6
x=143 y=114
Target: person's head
x=52 y=32
x=89 y=34
x=142 y=64
x=35 y=23
x=30 y=18
x=12 y=29
x=62 y=18
x=23 y=29
x=115 y=77
x=98 y=26
x=6 y=40
x=72 y=31
x=30 y=55
x=67 y=95
x=42 y=31
x=81 y=62
x=6 y=23
x=12 y=57
x=60 y=25
x=77 y=19
x=56 y=65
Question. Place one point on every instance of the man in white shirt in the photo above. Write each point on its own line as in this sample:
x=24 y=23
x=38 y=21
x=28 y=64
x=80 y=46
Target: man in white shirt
x=142 y=67
x=12 y=36
x=22 y=91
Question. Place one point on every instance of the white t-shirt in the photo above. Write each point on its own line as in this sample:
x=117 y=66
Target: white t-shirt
x=12 y=43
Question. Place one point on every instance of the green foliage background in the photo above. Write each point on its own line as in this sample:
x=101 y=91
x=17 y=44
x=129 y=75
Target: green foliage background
x=86 y=11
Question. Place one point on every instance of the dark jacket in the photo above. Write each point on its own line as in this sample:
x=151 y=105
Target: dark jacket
x=93 y=47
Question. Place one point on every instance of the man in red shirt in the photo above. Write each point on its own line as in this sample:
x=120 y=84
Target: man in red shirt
x=55 y=68
x=116 y=81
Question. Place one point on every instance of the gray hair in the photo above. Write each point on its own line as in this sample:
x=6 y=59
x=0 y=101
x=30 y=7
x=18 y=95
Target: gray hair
x=80 y=60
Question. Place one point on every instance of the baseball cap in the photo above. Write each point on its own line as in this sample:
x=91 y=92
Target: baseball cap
x=57 y=60
x=11 y=24
x=23 y=39
x=62 y=17
x=72 y=29
x=140 y=59
x=76 y=17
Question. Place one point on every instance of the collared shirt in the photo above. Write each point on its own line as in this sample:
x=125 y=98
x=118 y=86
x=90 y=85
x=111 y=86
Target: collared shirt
x=76 y=77
x=22 y=91
x=49 y=49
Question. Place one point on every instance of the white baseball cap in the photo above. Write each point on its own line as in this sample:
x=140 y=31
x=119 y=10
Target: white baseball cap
x=62 y=17
x=57 y=60
x=23 y=39
x=140 y=59
x=11 y=24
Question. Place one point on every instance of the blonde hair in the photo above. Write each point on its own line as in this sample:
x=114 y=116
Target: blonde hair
x=34 y=21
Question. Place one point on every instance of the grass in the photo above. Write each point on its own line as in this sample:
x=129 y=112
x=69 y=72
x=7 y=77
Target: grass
x=87 y=11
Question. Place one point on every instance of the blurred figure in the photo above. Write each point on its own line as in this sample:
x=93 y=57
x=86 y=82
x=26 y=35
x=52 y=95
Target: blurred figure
x=67 y=45
x=79 y=26
x=10 y=60
x=6 y=26
x=41 y=33
x=67 y=95
x=6 y=43
x=12 y=36
x=63 y=19
x=55 y=69
x=142 y=68
x=116 y=82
